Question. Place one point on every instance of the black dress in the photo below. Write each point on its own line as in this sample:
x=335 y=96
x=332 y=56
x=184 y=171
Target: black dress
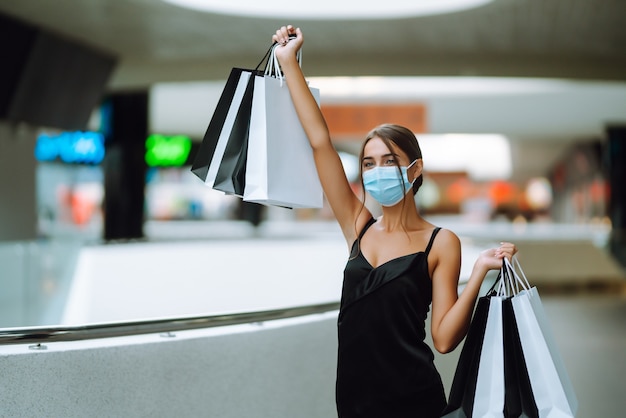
x=385 y=369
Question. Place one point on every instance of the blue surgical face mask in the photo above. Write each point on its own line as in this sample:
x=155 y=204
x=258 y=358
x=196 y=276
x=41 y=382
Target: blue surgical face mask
x=385 y=184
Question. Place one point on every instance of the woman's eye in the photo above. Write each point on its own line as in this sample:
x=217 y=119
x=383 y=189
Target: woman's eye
x=390 y=161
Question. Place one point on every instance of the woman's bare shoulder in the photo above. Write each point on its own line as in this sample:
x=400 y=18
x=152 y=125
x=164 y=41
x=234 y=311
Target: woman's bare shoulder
x=446 y=243
x=447 y=235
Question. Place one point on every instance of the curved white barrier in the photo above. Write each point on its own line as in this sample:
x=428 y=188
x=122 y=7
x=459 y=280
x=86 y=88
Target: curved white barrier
x=282 y=368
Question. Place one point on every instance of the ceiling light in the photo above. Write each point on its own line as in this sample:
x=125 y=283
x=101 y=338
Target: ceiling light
x=331 y=9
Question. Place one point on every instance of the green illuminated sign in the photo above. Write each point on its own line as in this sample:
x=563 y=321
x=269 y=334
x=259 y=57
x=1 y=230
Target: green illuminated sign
x=167 y=151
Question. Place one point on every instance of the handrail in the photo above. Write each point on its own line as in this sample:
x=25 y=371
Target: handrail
x=30 y=335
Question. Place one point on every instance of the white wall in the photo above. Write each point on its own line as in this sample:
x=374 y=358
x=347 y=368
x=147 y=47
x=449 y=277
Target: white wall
x=284 y=368
x=170 y=279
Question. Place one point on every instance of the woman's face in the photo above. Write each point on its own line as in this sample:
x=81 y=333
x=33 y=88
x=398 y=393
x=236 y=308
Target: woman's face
x=376 y=154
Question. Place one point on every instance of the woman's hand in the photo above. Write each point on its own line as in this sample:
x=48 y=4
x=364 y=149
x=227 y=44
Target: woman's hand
x=491 y=259
x=287 y=47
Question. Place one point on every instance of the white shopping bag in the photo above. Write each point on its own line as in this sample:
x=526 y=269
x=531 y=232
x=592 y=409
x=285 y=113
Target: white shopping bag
x=552 y=388
x=489 y=396
x=280 y=169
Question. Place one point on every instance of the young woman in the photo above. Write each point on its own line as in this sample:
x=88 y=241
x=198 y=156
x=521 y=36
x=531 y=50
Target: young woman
x=399 y=264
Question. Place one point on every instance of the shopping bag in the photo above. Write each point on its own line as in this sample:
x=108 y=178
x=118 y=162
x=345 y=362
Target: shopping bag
x=490 y=387
x=231 y=172
x=225 y=126
x=461 y=399
x=519 y=400
x=280 y=168
x=552 y=388
x=206 y=161
x=491 y=379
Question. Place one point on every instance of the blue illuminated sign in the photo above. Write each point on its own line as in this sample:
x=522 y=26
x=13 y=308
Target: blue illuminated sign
x=71 y=147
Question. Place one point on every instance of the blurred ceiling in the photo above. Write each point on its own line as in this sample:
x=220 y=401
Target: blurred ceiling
x=157 y=41
x=579 y=40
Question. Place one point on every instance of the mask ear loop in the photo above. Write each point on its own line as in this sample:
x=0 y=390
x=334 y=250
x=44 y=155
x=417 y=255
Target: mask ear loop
x=407 y=171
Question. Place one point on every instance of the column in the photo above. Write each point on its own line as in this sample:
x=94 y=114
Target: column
x=616 y=175
x=125 y=166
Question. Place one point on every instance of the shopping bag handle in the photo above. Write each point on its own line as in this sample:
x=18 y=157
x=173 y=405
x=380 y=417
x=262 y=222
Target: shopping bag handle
x=511 y=279
x=501 y=284
x=267 y=55
x=507 y=286
x=272 y=68
x=515 y=268
x=508 y=282
x=492 y=290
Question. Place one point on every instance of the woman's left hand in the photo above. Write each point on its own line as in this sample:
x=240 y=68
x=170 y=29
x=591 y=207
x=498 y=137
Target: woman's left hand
x=287 y=47
x=492 y=258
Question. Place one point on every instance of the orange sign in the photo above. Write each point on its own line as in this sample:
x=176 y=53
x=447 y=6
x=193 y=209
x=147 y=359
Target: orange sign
x=351 y=120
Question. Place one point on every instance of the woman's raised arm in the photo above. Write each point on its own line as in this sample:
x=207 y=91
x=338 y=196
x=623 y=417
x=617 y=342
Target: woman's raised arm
x=344 y=203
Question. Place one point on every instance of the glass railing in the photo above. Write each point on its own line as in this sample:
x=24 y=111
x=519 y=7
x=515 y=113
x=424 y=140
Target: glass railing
x=41 y=335
x=35 y=277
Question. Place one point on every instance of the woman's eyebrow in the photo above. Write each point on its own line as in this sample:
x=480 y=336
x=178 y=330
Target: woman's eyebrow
x=383 y=156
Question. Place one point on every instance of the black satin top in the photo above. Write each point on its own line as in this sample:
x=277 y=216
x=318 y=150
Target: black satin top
x=383 y=359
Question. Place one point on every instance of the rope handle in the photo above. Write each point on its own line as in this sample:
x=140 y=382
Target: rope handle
x=511 y=279
x=272 y=68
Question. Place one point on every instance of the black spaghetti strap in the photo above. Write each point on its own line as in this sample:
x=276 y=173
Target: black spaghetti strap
x=365 y=228
x=432 y=239
x=356 y=245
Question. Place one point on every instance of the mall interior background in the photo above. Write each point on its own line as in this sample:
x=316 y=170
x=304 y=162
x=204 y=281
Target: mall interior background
x=100 y=122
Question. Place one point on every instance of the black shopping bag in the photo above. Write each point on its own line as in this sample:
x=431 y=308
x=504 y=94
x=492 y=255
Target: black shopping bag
x=206 y=152
x=222 y=126
x=231 y=174
x=461 y=399
x=519 y=400
x=479 y=385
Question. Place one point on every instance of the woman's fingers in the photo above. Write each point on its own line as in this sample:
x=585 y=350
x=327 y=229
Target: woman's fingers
x=279 y=37
x=282 y=35
x=506 y=249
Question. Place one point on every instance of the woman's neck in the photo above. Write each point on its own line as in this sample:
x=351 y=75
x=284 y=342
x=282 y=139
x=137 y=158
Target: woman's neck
x=401 y=217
